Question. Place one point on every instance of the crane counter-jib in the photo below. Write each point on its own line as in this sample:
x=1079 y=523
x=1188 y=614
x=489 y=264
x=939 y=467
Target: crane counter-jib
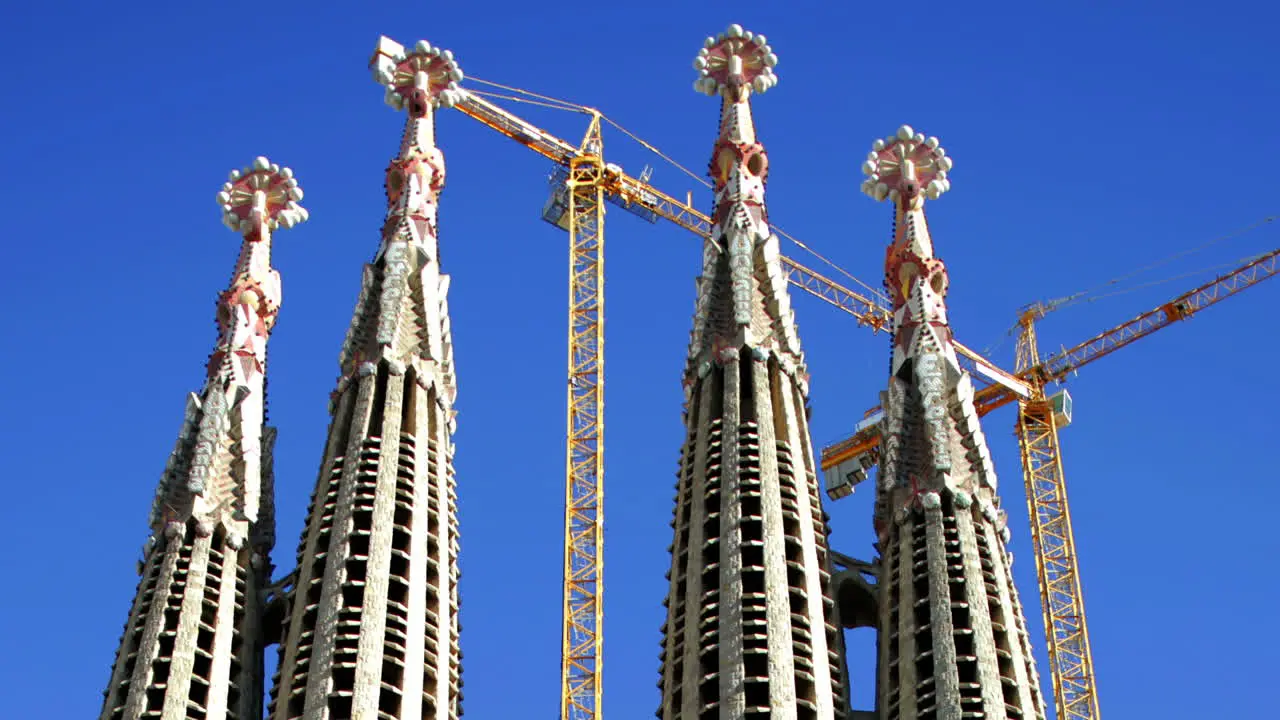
x=547 y=145
x=617 y=183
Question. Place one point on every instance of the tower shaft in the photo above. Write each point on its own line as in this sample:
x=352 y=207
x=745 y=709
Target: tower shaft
x=748 y=631
x=372 y=630
x=192 y=646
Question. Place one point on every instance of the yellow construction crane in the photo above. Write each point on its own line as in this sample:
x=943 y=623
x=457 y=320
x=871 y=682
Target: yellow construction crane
x=582 y=184
x=582 y=650
x=1040 y=416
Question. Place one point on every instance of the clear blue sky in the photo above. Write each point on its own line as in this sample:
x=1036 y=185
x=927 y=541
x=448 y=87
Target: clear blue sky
x=1087 y=143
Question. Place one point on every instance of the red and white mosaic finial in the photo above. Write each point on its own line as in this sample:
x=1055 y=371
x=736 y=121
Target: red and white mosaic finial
x=417 y=78
x=736 y=60
x=905 y=167
x=261 y=196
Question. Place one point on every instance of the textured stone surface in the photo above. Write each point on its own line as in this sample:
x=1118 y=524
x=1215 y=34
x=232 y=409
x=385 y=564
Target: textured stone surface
x=749 y=630
x=953 y=640
x=192 y=645
x=372 y=628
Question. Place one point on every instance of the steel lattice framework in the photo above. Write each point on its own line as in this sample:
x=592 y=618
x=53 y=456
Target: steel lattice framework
x=1062 y=602
x=582 y=640
x=1182 y=307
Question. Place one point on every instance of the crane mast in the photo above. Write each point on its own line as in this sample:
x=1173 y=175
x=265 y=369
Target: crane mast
x=583 y=625
x=1062 y=602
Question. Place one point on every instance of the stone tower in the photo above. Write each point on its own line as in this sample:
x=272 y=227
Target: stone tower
x=372 y=627
x=192 y=646
x=748 y=631
x=953 y=640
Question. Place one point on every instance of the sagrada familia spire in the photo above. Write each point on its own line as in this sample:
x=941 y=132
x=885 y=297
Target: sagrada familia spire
x=193 y=644
x=953 y=639
x=749 y=632
x=372 y=631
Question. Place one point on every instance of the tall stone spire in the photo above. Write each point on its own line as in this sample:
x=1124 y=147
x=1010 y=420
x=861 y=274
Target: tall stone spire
x=192 y=646
x=953 y=638
x=748 y=631
x=372 y=627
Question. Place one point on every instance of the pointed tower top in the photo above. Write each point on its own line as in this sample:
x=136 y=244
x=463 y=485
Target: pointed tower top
x=742 y=293
x=906 y=168
x=209 y=477
x=734 y=63
x=900 y=165
x=419 y=78
x=261 y=195
x=255 y=201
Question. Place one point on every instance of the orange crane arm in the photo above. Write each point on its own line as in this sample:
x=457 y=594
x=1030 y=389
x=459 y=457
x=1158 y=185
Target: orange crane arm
x=525 y=133
x=632 y=191
x=1182 y=307
x=867 y=437
x=870 y=313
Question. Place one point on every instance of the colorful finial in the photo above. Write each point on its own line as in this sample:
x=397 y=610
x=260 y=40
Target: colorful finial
x=261 y=195
x=418 y=78
x=900 y=165
x=736 y=59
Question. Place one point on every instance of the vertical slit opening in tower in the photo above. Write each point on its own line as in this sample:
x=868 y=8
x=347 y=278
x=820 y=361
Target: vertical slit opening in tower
x=747 y=391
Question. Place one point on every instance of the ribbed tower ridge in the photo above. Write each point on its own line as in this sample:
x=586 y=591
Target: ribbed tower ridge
x=372 y=628
x=748 y=631
x=953 y=638
x=192 y=647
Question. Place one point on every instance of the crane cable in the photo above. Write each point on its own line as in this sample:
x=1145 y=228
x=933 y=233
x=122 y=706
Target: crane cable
x=880 y=295
x=558 y=104
x=1091 y=294
x=1084 y=295
x=1223 y=266
x=512 y=98
x=547 y=101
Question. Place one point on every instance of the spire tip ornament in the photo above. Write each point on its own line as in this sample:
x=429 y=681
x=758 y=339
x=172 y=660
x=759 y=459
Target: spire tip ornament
x=906 y=167
x=417 y=78
x=736 y=60
x=263 y=194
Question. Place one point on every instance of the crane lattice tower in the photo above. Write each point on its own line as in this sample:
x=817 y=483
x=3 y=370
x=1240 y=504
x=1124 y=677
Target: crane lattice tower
x=372 y=631
x=953 y=639
x=748 y=631
x=193 y=643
